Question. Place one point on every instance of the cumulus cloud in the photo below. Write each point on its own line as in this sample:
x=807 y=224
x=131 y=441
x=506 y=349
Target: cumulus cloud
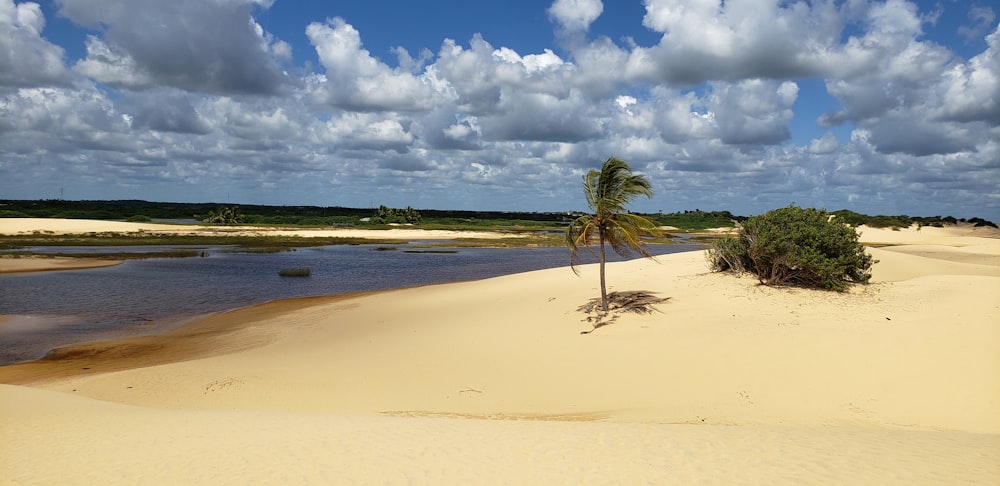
x=575 y=15
x=971 y=90
x=753 y=111
x=913 y=96
x=357 y=81
x=166 y=112
x=56 y=119
x=178 y=97
x=716 y=40
x=542 y=117
x=194 y=45
x=367 y=131
x=827 y=144
x=26 y=57
x=480 y=76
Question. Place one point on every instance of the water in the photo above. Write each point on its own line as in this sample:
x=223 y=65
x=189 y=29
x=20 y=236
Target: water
x=52 y=309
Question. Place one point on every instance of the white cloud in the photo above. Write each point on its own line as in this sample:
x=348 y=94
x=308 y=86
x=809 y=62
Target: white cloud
x=358 y=81
x=912 y=96
x=575 y=15
x=367 y=131
x=532 y=63
x=106 y=65
x=753 y=111
x=542 y=117
x=705 y=112
x=27 y=58
x=971 y=91
x=714 y=40
x=827 y=144
x=194 y=45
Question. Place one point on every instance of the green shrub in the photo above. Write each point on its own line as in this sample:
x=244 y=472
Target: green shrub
x=228 y=216
x=387 y=215
x=139 y=218
x=795 y=246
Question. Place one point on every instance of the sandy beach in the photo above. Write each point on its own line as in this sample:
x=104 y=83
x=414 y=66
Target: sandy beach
x=15 y=226
x=492 y=382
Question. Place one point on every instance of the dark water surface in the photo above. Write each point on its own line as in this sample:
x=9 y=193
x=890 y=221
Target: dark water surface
x=53 y=309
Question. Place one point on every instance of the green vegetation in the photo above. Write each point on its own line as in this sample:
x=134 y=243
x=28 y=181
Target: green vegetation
x=698 y=220
x=903 y=221
x=608 y=191
x=227 y=216
x=314 y=216
x=386 y=215
x=795 y=246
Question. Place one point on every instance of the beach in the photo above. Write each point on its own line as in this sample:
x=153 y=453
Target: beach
x=492 y=382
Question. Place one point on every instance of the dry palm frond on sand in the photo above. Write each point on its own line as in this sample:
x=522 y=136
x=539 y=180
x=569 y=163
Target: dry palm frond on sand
x=637 y=302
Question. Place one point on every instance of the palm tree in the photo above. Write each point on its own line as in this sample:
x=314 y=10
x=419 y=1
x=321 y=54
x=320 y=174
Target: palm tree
x=607 y=192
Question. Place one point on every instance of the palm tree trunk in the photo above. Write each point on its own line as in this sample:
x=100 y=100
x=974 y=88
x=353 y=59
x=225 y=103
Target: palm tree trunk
x=604 y=289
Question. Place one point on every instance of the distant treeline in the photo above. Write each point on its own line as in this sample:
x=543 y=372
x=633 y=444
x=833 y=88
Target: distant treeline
x=252 y=213
x=135 y=210
x=903 y=221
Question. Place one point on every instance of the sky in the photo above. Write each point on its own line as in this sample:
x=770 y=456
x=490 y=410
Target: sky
x=881 y=107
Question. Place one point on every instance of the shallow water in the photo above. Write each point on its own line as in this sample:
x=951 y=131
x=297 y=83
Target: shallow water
x=52 y=309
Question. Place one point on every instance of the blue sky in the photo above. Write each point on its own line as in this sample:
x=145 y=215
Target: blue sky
x=884 y=107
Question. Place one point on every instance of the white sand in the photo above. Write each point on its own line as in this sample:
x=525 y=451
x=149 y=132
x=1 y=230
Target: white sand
x=15 y=226
x=491 y=382
x=46 y=264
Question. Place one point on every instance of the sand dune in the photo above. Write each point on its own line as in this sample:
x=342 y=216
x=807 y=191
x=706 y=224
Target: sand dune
x=491 y=382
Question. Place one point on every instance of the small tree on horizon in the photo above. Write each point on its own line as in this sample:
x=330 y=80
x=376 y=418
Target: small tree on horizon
x=608 y=191
x=225 y=215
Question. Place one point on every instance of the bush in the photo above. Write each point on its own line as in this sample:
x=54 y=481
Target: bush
x=795 y=246
x=294 y=272
x=387 y=215
x=224 y=215
x=139 y=218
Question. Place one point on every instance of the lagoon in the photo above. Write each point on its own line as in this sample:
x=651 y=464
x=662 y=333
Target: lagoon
x=51 y=309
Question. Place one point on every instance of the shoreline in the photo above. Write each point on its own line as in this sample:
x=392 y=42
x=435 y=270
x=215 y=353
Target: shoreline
x=190 y=338
x=36 y=264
